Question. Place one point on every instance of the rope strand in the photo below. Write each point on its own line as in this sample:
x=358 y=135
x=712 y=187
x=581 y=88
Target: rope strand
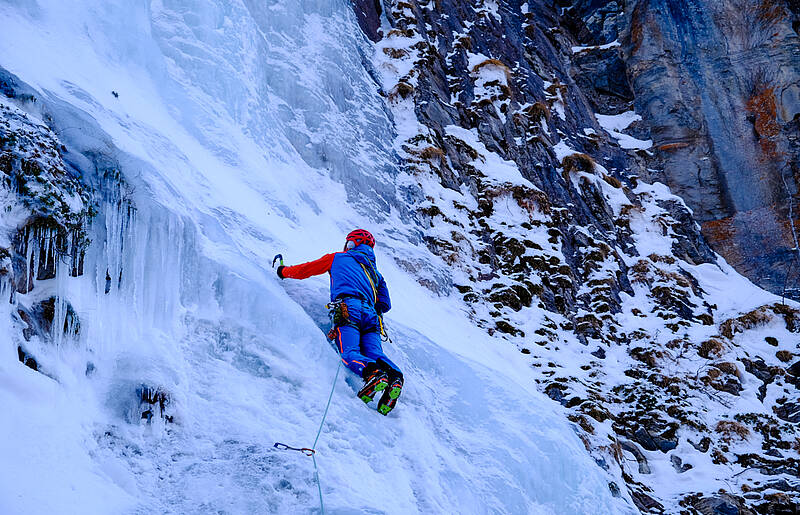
x=319 y=432
x=313 y=450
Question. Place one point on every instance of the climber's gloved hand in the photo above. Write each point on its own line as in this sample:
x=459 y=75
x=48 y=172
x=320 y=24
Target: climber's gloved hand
x=279 y=259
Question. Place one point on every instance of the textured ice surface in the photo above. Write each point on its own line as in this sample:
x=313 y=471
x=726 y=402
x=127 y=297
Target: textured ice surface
x=244 y=129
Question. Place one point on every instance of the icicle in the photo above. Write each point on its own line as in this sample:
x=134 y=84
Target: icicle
x=29 y=261
x=46 y=246
x=59 y=306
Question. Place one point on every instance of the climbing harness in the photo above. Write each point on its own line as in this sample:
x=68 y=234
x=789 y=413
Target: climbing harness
x=312 y=450
x=338 y=313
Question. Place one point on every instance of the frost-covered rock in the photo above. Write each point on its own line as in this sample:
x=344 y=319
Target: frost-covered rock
x=561 y=240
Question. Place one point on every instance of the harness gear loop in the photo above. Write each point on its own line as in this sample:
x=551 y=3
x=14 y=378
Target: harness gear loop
x=338 y=313
x=339 y=316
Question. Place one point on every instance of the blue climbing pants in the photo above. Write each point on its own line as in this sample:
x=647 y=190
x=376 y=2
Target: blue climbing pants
x=359 y=340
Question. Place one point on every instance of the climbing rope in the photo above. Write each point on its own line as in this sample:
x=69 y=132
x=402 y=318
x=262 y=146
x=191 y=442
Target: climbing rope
x=312 y=451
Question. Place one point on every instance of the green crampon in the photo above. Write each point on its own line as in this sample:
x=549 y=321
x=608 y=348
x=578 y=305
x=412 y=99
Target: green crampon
x=367 y=397
x=393 y=394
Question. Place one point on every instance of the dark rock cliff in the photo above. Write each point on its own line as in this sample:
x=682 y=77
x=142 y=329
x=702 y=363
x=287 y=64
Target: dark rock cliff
x=478 y=88
x=718 y=85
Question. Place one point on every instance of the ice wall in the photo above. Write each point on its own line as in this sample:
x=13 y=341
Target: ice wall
x=240 y=129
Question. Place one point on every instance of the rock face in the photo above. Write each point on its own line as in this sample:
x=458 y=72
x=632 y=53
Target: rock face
x=531 y=173
x=718 y=86
x=46 y=213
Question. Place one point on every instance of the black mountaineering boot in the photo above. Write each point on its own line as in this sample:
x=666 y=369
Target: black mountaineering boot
x=390 y=395
x=375 y=380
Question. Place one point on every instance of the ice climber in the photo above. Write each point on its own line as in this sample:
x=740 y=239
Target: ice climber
x=359 y=298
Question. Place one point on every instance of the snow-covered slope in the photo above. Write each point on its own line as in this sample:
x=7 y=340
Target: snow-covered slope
x=237 y=130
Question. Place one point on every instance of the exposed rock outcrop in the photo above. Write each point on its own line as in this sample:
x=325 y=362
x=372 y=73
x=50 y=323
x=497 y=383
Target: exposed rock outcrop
x=545 y=214
x=718 y=86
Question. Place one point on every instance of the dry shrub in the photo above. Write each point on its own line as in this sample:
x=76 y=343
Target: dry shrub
x=402 y=90
x=400 y=33
x=432 y=154
x=649 y=357
x=613 y=181
x=583 y=422
x=791 y=316
x=538 y=111
x=658 y=258
x=530 y=200
x=676 y=343
x=641 y=272
x=729 y=428
x=578 y=162
x=556 y=88
x=718 y=458
x=744 y=322
x=627 y=209
x=705 y=318
x=729 y=368
x=678 y=279
x=464 y=41
x=395 y=53
x=712 y=347
x=719 y=230
x=495 y=63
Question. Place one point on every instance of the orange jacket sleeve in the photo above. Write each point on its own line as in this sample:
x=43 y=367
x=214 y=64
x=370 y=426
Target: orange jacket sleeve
x=304 y=270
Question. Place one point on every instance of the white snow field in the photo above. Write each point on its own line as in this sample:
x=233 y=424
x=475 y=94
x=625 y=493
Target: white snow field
x=245 y=128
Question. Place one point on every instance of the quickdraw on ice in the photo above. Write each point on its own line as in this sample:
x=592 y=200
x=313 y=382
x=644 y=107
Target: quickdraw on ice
x=304 y=450
x=312 y=450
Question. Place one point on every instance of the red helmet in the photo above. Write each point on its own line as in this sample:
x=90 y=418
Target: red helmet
x=360 y=236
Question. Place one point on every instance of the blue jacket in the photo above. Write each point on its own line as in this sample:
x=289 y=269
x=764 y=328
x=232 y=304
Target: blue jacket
x=353 y=273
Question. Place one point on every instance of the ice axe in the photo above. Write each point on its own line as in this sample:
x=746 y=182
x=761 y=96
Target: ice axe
x=278 y=258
